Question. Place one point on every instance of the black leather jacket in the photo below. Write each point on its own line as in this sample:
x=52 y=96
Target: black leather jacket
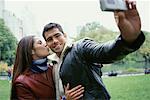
x=87 y=56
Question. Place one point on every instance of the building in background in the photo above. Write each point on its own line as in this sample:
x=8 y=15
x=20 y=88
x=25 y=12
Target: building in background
x=19 y=25
x=1 y=8
x=14 y=24
x=28 y=22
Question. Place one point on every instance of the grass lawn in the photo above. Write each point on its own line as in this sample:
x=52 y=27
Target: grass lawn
x=129 y=88
x=120 y=88
x=4 y=89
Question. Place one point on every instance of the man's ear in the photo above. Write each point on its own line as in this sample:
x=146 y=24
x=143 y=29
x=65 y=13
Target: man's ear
x=33 y=52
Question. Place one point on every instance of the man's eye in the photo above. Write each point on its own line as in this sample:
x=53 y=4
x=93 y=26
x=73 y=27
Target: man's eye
x=49 y=39
x=57 y=35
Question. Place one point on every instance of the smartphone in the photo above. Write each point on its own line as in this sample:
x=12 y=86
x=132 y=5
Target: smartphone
x=113 y=5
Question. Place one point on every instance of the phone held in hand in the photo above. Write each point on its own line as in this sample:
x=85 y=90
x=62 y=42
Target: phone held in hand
x=113 y=5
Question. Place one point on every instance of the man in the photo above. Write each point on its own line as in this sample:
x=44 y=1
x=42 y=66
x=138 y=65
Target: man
x=81 y=63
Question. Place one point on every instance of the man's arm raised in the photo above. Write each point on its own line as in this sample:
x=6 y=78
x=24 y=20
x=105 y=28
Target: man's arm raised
x=129 y=22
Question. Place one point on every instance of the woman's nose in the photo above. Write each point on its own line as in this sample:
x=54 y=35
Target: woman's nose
x=45 y=45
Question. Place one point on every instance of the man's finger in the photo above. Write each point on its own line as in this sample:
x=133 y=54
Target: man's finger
x=67 y=87
x=77 y=92
x=133 y=5
x=77 y=98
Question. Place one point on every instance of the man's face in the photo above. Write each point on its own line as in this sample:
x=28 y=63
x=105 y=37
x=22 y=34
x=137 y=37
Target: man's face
x=55 y=40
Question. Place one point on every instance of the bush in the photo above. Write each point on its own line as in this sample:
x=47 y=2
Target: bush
x=3 y=66
x=131 y=70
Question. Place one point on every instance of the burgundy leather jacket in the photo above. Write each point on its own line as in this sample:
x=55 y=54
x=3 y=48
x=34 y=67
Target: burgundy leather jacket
x=35 y=86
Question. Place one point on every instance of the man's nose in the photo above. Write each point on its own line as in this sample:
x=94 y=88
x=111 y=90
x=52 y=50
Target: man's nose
x=54 y=40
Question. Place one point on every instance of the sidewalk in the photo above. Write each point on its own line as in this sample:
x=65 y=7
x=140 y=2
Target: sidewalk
x=3 y=77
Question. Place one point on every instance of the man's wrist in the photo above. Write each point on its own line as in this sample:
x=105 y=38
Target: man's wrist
x=63 y=97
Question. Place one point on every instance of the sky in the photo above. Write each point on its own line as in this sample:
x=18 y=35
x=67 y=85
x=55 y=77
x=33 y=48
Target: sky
x=73 y=13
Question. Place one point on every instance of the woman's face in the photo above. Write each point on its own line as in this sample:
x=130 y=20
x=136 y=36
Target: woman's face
x=40 y=49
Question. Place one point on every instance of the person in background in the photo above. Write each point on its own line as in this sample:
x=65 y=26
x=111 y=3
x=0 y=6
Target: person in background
x=32 y=75
x=9 y=71
x=81 y=63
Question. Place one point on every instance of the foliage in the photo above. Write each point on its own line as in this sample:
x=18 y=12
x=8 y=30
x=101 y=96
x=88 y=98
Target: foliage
x=3 y=67
x=99 y=33
x=96 y=32
x=8 y=44
x=131 y=70
x=143 y=54
x=145 y=49
x=128 y=88
x=124 y=68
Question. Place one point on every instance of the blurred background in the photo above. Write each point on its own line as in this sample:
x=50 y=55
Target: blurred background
x=79 y=19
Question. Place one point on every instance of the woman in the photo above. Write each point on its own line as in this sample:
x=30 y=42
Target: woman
x=32 y=77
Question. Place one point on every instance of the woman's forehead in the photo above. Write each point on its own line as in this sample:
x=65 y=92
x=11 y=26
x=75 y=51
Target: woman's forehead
x=36 y=39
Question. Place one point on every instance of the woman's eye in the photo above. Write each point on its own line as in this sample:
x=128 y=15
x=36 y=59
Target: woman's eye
x=40 y=42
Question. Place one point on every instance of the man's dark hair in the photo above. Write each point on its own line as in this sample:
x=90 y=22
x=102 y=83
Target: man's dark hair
x=51 y=26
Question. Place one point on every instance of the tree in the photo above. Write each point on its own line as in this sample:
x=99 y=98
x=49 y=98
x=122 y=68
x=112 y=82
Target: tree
x=8 y=44
x=145 y=49
x=101 y=34
x=95 y=31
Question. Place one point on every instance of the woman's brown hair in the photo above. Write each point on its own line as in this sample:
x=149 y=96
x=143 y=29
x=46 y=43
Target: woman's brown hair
x=23 y=60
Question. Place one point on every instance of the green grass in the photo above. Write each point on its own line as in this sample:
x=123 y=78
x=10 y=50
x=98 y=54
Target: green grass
x=120 y=88
x=4 y=89
x=129 y=88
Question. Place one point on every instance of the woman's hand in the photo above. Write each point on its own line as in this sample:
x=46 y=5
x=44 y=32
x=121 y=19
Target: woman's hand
x=74 y=93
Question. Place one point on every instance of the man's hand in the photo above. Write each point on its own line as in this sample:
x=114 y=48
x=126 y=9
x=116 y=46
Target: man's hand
x=74 y=93
x=129 y=22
